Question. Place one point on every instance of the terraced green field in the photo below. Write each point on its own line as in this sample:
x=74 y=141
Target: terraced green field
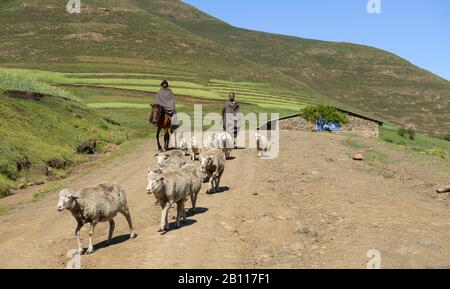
x=127 y=96
x=262 y=94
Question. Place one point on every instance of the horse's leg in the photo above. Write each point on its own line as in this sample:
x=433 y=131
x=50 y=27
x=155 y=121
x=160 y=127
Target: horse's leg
x=157 y=138
x=166 y=139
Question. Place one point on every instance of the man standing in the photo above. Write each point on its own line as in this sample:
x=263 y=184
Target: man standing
x=231 y=116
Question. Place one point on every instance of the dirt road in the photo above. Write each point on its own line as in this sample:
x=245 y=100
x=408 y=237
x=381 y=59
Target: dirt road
x=313 y=207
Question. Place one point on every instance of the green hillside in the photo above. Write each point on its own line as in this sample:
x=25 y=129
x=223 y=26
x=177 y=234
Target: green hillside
x=39 y=137
x=133 y=44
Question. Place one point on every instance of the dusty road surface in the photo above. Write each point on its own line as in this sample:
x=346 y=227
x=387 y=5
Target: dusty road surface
x=313 y=207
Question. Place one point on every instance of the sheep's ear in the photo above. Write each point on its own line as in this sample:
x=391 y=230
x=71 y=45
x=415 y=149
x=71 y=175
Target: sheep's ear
x=72 y=196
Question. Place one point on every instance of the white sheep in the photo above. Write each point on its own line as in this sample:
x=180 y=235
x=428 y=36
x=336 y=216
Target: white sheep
x=195 y=177
x=209 y=142
x=225 y=142
x=173 y=159
x=262 y=145
x=212 y=165
x=169 y=188
x=195 y=148
x=185 y=145
x=96 y=204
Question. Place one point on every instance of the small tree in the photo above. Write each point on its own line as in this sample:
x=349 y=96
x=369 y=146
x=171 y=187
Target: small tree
x=325 y=113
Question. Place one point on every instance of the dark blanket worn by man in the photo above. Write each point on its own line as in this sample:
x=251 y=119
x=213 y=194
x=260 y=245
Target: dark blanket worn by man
x=231 y=115
x=166 y=99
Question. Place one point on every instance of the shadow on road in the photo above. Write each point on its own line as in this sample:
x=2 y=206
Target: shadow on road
x=172 y=226
x=221 y=190
x=114 y=241
x=198 y=211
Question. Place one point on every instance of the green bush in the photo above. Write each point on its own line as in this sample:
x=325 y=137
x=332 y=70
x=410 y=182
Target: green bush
x=412 y=133
x=407 y=133
x=328 y=114
x=447 y=137
x=402 y=132
x=5 y=186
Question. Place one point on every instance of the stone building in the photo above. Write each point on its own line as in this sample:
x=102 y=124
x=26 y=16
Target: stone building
x=358 y=124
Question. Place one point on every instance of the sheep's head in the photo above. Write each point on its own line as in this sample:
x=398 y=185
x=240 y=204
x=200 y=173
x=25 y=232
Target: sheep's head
x=194 y=142
x=184 y=144
x=67 y=200
x=155 y=181
x=161 y=159
x=205 y=161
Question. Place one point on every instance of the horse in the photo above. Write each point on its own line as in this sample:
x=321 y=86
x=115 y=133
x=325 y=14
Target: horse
x=161 y=120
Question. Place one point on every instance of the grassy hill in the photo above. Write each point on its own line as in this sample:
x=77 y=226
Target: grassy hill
x=121 y=43
x=40 y=136
x=168 y=39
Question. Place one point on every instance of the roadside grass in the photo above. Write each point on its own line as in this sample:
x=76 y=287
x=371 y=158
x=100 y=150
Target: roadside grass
x=375 y=155
x=60 y=184
x=5 y=209
x=353 y=143
x=422 y=143
x=38 y=133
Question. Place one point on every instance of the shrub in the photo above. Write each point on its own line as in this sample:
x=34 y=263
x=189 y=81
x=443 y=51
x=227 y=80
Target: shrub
x=402 y=132
x=326 y=113
x=447 y=137
x=412 y=133
x=407 y=133
x=5 y=186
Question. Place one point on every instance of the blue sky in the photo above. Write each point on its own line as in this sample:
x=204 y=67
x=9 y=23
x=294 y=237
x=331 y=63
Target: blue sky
x=417 y=30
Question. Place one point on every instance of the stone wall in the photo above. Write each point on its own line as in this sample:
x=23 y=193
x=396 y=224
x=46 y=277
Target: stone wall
x=356 y=126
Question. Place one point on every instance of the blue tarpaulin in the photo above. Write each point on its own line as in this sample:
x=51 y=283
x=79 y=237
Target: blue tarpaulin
x=320 y=126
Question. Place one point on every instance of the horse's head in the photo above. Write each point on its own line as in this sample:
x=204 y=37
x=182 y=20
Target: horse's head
x=155 y=114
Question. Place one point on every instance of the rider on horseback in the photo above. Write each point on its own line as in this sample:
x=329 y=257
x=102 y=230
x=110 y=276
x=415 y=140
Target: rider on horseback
x=165 y=99
x=163 y=114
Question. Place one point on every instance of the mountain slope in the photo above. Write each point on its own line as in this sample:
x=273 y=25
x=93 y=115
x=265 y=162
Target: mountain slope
x=148 y=35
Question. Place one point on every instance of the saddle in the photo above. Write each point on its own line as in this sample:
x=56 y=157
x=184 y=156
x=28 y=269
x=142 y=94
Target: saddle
x=162 y=111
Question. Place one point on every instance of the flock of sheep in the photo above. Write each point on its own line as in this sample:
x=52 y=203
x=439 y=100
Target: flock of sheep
x=173 y=182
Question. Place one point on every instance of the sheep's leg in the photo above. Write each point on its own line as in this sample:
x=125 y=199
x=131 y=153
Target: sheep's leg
x=77 y=234
x=164 y=216
x=127 y=215
x=180 y=209
x=193 y=201
x=177 y=223
x=90 y=249
x=112 y=225
x=218 y=177
x=184 y=213
x=211 y=185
